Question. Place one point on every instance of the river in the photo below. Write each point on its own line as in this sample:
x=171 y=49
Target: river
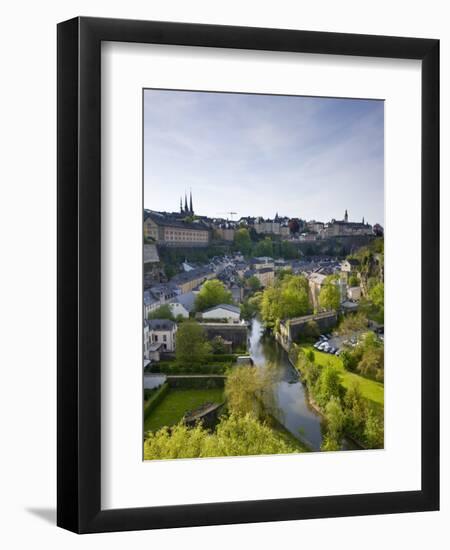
x=292 y=408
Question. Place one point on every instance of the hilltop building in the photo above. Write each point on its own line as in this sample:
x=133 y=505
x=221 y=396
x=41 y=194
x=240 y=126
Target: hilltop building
x=169 y=230
x=339 y=228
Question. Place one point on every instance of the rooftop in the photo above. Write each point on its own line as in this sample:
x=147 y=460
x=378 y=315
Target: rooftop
x=228 y=307
x=162 y=218
x=161 y=324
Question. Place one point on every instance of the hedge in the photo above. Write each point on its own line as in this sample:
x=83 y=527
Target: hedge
x=197 y=383
x=219 y=368
x=155 y=400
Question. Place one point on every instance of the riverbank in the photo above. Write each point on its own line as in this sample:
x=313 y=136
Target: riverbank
x=371 y=390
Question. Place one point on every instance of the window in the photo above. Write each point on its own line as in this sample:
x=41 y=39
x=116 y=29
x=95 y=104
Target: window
x=164 y=338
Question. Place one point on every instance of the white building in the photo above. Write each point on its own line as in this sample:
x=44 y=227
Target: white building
x=146 y=339
x=178 y=309
x=223 y=311
x=162 y=331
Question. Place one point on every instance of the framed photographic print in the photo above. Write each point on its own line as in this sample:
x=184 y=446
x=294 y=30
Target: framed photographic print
x=248 y=288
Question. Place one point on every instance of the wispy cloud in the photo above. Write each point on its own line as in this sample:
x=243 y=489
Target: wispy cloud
x=259 y=154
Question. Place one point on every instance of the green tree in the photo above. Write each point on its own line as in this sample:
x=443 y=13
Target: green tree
x=355 y=410
x=374 y=430
x=191 y=348
x=251 y=306
x=309 y=370
x=288 y=251
x=249 y=390
x=253 y=283
x=234 y=436
x=242 y=241
x=218 y=345
x=329 y=297
x=335 y=420
x=287 y=299
x=353 y=280
x=270 y=305
x=264 y=247
x=376 y=295
x=163 y=312
x=328 y=385
x=353 y=322
x=211 y=294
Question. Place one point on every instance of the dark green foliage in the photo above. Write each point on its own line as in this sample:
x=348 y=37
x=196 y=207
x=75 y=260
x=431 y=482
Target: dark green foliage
x=192 y=348
x=328 y=385
x=163 y=312
x=242 y=241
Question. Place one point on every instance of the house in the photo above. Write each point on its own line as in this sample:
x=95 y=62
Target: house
x=178 y=309
x=173 y=230
x=162 y=331
x=158 y=295
x=314 y=226
x=338 y=228
x=262 y=262
x=146 y=339
x=266 y=275
x=241 y=268
x=151 y=303
x=186 y=300
x=188 y=280
x=228 y=312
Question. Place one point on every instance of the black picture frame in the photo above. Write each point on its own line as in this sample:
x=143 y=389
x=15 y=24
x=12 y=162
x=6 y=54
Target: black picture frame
x=79 y=281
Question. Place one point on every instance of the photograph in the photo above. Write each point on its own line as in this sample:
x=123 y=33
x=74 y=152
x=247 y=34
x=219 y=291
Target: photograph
x=263 y=274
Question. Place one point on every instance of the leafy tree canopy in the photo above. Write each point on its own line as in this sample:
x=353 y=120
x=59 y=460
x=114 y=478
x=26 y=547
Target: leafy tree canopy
x=191 y=347
x=234 y=436
x=211 y=294
x=242 y=241
x=329 y=297
x=288 y=298
x=163 y=312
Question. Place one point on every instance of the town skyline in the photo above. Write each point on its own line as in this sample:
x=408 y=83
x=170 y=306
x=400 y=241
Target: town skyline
x=321 y=156
x=186 y=204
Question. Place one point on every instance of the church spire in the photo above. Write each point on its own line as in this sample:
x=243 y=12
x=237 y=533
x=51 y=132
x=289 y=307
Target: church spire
x=191 y=209
x=181 y=205
x=346 y=216
x=185 y=204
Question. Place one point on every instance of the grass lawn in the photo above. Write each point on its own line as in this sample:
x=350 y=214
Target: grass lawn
x=177 y=402
x=371 y=390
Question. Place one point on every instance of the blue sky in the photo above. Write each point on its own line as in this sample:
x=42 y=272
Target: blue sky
x=260 y=154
